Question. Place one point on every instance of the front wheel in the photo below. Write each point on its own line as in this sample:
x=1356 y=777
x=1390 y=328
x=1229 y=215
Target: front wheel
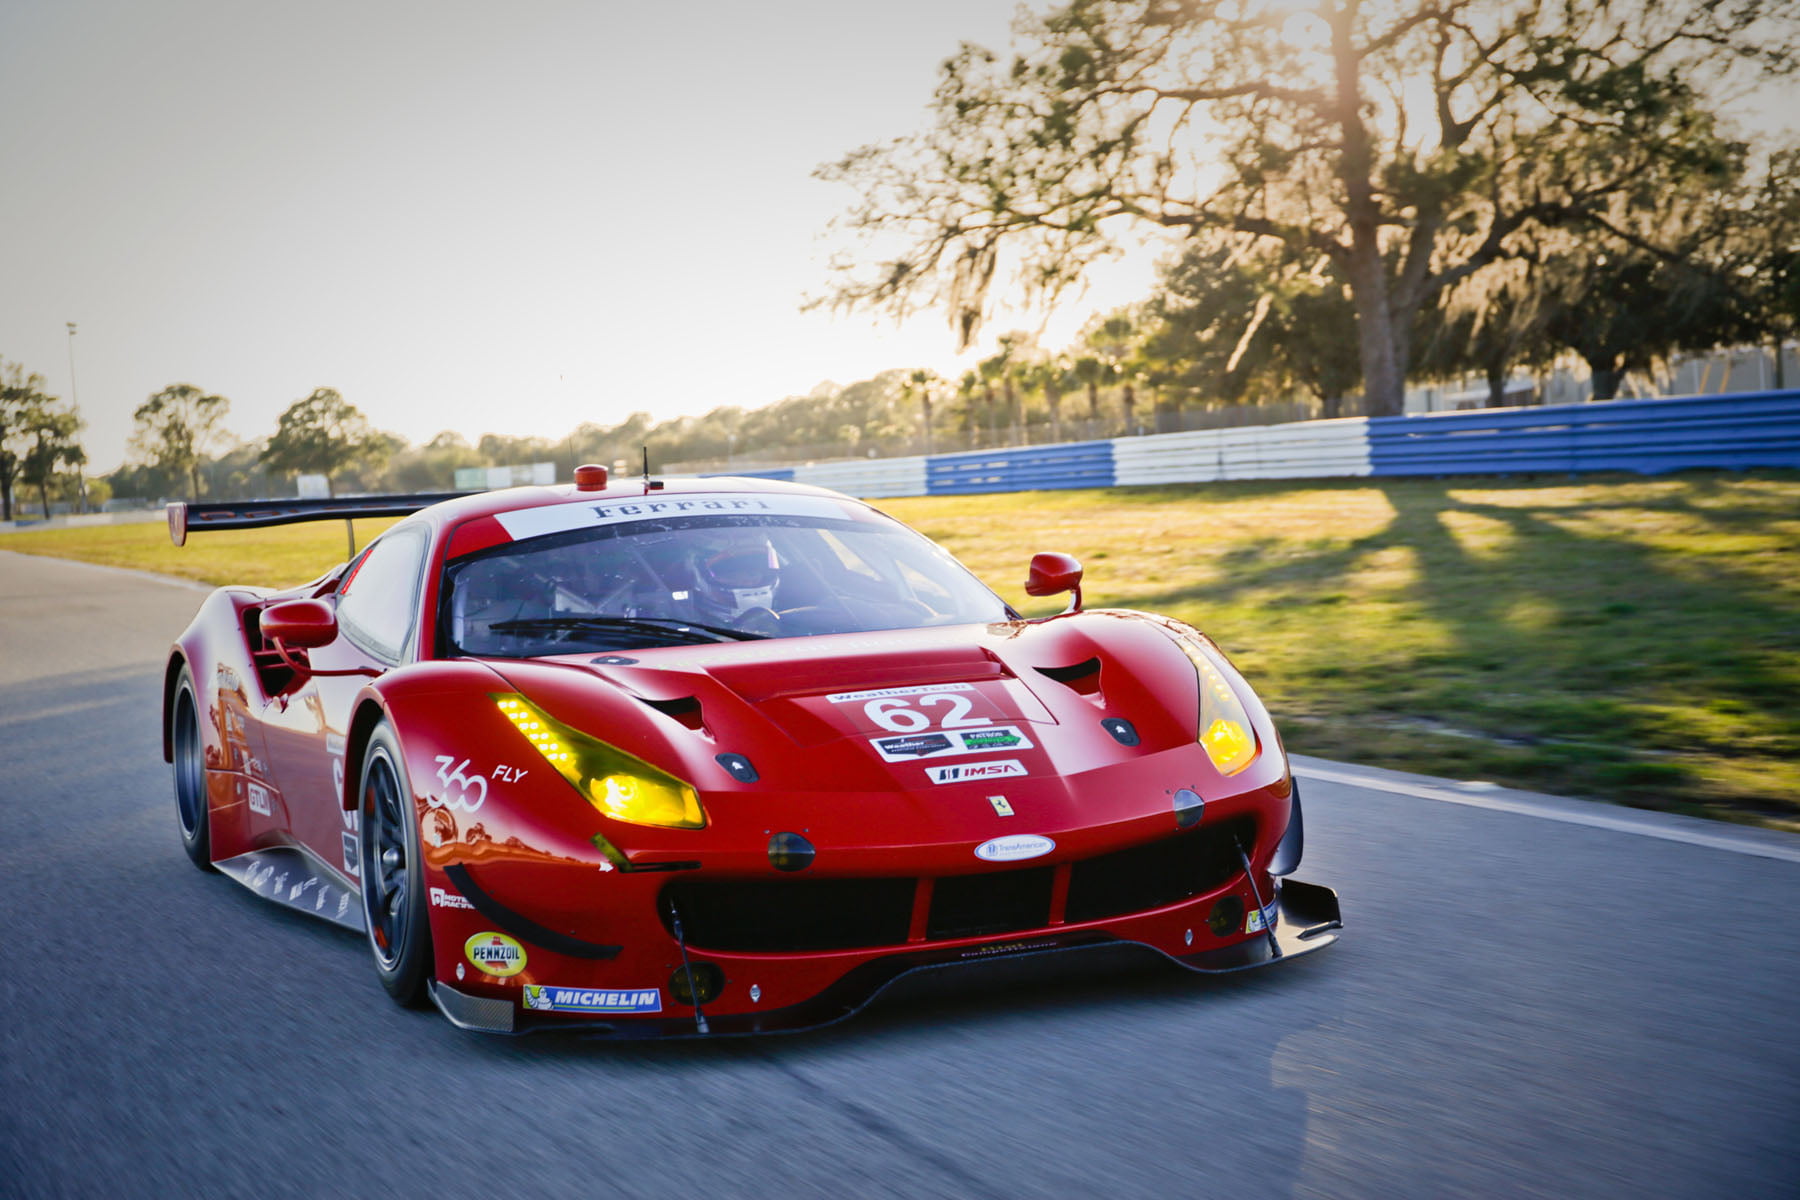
x=393 y=884
x=192 y=815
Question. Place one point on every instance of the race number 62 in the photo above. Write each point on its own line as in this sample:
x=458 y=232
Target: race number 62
x=897 y=713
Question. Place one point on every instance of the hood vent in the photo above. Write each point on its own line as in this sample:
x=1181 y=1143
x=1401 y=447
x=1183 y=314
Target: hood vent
x=1082 y=678
x=685 y=709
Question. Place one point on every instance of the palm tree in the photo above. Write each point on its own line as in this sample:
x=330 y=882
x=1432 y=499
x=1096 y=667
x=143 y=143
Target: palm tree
x=966 y=388
x=1090 y=373
x=1115 y=338
x=919 y=383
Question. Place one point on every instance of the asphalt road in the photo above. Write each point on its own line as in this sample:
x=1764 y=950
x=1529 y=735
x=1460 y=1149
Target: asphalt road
x=1532 y=998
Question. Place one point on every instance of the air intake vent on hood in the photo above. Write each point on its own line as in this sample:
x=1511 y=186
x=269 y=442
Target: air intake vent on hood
x=685 y=709
x=1082 y=677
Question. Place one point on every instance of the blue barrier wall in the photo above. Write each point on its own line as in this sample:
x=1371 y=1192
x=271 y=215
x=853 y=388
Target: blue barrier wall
x=1759 y=429
x=1021 y=469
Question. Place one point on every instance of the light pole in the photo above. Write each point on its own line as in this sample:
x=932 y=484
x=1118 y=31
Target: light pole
x=75 y=402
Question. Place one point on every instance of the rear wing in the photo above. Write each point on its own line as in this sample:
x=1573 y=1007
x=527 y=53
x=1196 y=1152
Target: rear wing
x=253 y=514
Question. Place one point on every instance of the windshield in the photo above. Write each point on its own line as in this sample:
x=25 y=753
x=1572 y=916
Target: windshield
x=630 y=575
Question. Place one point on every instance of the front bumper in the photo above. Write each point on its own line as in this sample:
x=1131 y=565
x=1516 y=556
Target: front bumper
x=1307 y=919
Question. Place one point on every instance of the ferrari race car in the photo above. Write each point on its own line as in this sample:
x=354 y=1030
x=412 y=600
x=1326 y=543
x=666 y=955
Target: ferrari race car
x=716 y=756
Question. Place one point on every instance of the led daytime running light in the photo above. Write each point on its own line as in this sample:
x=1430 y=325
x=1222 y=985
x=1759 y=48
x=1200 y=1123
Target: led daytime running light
x=619 y=785
x=1224 y=725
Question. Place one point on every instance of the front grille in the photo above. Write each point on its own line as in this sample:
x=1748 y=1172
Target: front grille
x=797 y=916
x=791 y=915
x=976 y=905
x=1157 y=873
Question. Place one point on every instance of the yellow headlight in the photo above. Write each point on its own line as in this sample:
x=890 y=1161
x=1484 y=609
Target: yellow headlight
x=1224 y=725
x=619 y=785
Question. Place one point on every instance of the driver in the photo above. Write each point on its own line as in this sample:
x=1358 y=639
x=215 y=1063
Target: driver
x=736 y=572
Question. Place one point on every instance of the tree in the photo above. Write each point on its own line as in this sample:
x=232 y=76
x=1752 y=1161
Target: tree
x=1625 y=310
x=1116 y=338
x=1009 y=365
x=968 y=387
x=1499 y=321
x=177 y=426
x=53 y=446
x=325 y=435
x=1240 y=321
x=1764 y=258
x=1088 y=371
x=919 y=383
x=22 y=401
x=1408 y=142
x=1052 y=376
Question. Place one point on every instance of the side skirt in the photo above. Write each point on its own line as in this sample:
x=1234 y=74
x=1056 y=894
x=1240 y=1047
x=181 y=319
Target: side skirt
x=292 y=877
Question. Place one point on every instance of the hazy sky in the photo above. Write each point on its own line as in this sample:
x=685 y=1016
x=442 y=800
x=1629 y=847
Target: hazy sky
x=496 y=217
x=483 y=217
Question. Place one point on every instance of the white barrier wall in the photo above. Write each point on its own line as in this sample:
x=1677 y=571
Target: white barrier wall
x=868 y=478
x=1307 y=449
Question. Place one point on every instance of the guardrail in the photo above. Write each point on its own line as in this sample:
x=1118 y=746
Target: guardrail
x=1760 y=429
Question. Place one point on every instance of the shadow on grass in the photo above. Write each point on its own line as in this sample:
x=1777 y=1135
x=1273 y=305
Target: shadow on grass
x=1562 y=651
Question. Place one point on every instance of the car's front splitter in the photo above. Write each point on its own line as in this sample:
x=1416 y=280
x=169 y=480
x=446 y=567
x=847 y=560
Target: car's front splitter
x=1308 y=920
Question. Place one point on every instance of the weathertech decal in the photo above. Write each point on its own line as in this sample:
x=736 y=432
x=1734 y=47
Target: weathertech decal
x=968 y=772
x=889 y=693
x=908 y=747
x=592 y=1000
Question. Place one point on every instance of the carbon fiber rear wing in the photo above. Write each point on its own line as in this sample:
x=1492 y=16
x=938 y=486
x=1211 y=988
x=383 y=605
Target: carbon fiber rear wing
x=254 y=514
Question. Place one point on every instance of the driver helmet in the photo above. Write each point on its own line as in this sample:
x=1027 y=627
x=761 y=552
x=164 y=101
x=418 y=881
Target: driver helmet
x=736 y=568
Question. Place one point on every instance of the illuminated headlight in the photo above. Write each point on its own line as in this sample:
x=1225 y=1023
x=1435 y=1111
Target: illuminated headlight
x=619 y=785
x=1225 y=731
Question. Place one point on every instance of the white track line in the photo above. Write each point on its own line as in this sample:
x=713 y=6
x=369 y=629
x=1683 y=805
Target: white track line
x=1761 y=843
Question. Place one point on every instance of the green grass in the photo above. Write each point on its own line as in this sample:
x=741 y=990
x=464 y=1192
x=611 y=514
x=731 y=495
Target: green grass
x=1631 y=639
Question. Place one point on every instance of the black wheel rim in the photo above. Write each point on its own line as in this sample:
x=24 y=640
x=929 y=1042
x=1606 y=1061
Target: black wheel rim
x=385 y=861
x=190 y=775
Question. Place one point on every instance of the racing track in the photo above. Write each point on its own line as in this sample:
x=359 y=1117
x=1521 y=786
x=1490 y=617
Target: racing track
x=1533 y=997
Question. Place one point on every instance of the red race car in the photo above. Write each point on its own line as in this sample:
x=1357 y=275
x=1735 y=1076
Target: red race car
x=716 y=756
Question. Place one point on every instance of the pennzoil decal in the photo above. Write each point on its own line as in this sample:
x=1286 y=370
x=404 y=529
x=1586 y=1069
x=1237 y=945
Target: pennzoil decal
x=969 y=772
x=495 y=954
x=545 y=998
x=1260 y=919
x=940 y=744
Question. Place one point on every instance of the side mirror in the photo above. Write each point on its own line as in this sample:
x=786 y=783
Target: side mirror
x=1052 y=573
x=300 y=624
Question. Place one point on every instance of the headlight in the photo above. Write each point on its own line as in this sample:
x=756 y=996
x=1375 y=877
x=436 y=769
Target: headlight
x=620 y=785
x=1224 y=725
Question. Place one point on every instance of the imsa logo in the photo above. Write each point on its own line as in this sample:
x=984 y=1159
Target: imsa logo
x=966 y=772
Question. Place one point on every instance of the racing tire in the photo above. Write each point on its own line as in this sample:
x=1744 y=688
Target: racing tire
x=393 y=881
x=193 y=816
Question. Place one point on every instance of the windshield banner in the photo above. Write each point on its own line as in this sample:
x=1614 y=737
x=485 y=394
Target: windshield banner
x=560 y=518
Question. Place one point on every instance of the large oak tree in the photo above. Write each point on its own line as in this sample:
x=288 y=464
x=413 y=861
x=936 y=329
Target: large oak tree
x=1406 y=142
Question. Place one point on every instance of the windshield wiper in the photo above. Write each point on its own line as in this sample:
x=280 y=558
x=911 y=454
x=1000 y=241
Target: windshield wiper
x=689 y=632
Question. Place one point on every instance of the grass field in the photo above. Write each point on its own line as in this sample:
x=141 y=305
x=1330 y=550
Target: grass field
x=1631 y=639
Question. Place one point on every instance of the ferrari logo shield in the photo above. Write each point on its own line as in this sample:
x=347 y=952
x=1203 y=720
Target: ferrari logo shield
x=1002 y=806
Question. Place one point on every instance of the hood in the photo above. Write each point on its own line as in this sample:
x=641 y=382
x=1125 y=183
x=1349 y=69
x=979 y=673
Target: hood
x=838 y=729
